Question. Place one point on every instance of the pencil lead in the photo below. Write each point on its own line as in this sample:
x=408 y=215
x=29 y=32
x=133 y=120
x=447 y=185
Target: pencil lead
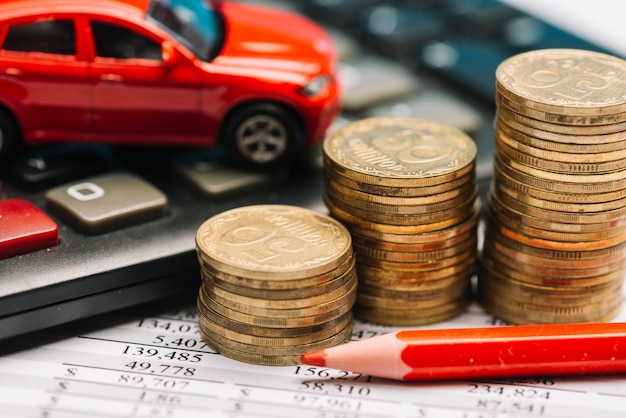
x=314 y=358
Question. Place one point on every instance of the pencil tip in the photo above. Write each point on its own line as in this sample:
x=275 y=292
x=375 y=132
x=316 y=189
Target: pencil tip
x=314 y=358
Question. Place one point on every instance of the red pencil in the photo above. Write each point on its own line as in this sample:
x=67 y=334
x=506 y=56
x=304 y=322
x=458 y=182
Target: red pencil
x=494 y=352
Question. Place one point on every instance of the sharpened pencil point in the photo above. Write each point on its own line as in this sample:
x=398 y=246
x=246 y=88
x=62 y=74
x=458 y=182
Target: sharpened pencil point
x=314 y=358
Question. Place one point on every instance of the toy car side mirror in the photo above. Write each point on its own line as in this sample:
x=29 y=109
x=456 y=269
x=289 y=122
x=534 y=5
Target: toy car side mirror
x=169 y=54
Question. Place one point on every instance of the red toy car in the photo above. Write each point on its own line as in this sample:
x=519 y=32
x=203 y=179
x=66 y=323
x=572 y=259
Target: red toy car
x=178 y=72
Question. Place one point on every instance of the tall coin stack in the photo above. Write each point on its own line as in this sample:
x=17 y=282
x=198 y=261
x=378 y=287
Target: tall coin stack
x=556 y=229
x=277 y=281
x=406 y=190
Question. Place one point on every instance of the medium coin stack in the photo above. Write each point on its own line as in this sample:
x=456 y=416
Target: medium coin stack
x=406 y=190
x=277 y=281
x=556 y=228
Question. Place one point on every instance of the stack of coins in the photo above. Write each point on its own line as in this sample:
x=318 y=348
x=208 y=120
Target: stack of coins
x=556 y=230
x=406 y=190
x=277 y=281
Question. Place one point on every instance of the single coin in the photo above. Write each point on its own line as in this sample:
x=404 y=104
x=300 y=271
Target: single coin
x=565 y=81
x=273 y=242
x=390 y=151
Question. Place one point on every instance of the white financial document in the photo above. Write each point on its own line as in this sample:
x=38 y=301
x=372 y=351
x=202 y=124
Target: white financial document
x=151 y=362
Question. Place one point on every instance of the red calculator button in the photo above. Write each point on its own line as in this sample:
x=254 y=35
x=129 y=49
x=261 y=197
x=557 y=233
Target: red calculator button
x=25 y=228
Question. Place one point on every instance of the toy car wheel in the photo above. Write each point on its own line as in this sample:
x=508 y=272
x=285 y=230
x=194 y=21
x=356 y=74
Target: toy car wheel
x=8 y=135
x=263 y=136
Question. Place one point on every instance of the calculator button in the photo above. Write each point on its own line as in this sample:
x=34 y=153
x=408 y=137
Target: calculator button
x=104 y=203
x=46 y=169
x=217 y=181
x=25 y=228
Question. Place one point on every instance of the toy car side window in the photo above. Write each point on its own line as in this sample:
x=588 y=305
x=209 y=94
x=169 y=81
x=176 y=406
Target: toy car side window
x=48 y=36
x=114 y=41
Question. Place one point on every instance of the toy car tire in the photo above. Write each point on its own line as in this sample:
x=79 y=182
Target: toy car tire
x=263 y=136
x=9 y=140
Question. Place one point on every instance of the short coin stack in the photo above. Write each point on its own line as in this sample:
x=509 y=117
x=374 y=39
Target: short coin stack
x=406 y=190
x=556 y=230
x=277 y=281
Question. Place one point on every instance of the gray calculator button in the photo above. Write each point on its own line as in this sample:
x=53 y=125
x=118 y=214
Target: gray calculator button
x=107 y=202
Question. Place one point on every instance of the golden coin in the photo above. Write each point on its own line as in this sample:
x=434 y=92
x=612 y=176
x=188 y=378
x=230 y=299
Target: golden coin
x=543 y=163
x=429 y=239
x=547 y=230
x=538 y=199
x=519 y=312
x=399 y=152
x=413 y=315
x=614 y=215
x=346 y=298
x=426 y=200
x=565 y=82
x=412 y=246
x=574 y=130
x=271 y=343
x=340 y=337
x=404 y=191
x=503 y=100
x=276 y=322
x=298 y=303
x=492 y=264
x=353 y=220
x=266 y=359
x=428 y=265
x=403 y=279
x=518 y=185
x=430 y=221
x=504 y=164
x=399 y=205
x=571 y=148
x=555 y=253
x=273 y=242
x=586 y=140
x=282 y=294
x=261 y=331
x=582 y=154
x=384 y=297
x=376 y=253
x=280 y=285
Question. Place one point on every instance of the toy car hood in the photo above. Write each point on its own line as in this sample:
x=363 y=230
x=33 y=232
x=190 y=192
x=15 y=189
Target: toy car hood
x=276 y=39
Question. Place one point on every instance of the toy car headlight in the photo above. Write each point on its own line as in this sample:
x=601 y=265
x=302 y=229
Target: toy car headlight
x=316 y=86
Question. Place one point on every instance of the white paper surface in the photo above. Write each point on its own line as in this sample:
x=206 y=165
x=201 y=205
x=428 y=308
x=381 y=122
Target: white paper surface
x=151 y=362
